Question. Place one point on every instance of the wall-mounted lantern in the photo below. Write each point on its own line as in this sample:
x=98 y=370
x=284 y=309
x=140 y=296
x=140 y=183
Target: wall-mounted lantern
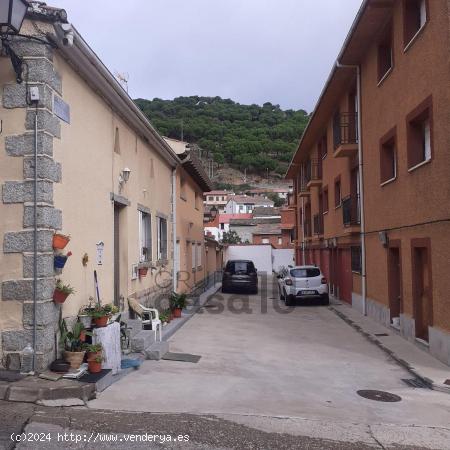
x=12 y=15
x=124 y=177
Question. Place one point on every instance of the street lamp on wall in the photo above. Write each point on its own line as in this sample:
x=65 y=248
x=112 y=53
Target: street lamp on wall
x=12 y=15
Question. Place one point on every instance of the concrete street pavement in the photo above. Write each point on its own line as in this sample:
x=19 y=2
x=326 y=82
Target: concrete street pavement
x=292 y=370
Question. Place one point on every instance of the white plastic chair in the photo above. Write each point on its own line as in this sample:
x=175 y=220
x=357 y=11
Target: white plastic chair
x=150 y=316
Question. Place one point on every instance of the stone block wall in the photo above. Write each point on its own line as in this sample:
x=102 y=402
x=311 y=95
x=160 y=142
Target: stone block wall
x=41 y=73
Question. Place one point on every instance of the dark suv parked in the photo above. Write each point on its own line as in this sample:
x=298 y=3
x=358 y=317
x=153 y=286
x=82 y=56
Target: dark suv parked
x=240 y=275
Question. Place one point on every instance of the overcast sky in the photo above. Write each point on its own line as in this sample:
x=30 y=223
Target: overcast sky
x=251 y=51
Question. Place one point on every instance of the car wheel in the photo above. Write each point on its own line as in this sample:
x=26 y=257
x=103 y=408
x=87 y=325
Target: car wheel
x=255 y=291
x=325 y=300
x=288 y=300
x=281 y=294
x=224 y=290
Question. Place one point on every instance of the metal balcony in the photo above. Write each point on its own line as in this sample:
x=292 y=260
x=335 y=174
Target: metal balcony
x=318 y=224
x=345 y=134
x=351 y=211
x=313 y=175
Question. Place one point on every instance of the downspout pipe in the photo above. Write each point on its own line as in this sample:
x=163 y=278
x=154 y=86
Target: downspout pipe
x=35 y=236
x=174 y=229
x=303 y=218
x=361 y=185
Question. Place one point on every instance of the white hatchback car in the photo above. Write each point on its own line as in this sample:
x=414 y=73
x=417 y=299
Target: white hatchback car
x=301 y=283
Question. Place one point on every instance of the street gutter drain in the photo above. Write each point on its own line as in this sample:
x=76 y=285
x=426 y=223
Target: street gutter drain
x=379 y=396
x=381 y=334
x=415 y=383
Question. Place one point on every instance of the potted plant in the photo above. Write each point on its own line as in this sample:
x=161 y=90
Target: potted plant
x=59 y=260
x=93 y=350
x=84 y=314
x=177 y=303
x=95 y=364
x=164 y=318
x=102 y=313
x=60 y=241
x=142 y=271
x=62 y=291
x=70 y=342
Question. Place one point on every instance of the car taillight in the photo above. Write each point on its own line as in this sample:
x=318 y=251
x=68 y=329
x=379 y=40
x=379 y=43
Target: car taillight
x=324 y=280
x=288 y=282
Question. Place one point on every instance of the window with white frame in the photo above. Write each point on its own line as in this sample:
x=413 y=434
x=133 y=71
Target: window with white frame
x=193 y=255
x=199 y=255
x=265 y=241
x=145 y=236
x=162 y=238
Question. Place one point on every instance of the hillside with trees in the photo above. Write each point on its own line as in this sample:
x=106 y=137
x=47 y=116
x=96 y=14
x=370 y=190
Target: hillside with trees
x=252 y=137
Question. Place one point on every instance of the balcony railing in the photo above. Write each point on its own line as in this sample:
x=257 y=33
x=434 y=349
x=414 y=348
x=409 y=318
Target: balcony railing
x=318 y=224
x=350 y=210
x=345 y=129
x=313 y=170
x=307 y=226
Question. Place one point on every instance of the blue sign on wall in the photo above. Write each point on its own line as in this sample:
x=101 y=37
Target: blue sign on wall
x=61 y=109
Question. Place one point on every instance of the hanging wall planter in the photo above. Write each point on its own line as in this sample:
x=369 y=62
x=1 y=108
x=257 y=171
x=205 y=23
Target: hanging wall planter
x=60 y=241
x=61 y=292
x=60 y=260
x=143 y=272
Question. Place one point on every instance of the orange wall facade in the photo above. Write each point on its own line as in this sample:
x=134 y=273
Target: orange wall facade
x=407 y=264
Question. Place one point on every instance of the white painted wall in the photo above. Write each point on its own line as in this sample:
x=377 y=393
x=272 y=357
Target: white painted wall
x=282 y=257
x=261 y=255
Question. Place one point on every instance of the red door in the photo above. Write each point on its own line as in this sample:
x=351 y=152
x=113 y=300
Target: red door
x=325 y=263
x=345 y=275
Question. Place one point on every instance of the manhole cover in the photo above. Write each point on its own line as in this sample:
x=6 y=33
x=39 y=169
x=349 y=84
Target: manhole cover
x=379 y=396
x=381 y=334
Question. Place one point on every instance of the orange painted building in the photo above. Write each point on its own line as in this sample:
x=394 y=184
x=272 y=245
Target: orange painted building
x=372 y=171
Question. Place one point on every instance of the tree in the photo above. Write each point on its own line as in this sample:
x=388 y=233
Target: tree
x=253 y=137
x=231 y=237
x=277 y=200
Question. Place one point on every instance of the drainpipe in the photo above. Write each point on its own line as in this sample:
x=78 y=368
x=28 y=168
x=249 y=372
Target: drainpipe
x=361 y=185
x=35 y=236
x=174 y=228
x=303 y=219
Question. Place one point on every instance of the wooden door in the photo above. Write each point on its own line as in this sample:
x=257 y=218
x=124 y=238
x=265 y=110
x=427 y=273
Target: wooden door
x=394 y=282
x=422 y=291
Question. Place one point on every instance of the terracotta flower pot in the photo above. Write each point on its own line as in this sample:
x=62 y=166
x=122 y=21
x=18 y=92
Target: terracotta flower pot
x=59 y=296
x=75 y=359
x=143 y=271
x=60 y=241
x=177 y=313
x=94 y=366
x=93 y=355
x=101 y=321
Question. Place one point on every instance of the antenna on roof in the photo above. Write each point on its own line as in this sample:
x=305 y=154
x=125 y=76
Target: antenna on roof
x=123 y=78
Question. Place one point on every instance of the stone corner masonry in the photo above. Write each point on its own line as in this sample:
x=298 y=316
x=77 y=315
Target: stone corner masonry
x=41 y=73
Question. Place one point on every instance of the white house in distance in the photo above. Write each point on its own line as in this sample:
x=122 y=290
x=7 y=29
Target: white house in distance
x=244 y=204
x=221 y=224
x=219 y=199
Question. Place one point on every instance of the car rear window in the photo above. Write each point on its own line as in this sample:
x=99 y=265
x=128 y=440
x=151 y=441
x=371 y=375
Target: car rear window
x=305 y=273
x=240 y=267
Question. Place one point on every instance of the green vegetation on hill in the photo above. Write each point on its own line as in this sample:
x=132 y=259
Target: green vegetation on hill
x=249 y=137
